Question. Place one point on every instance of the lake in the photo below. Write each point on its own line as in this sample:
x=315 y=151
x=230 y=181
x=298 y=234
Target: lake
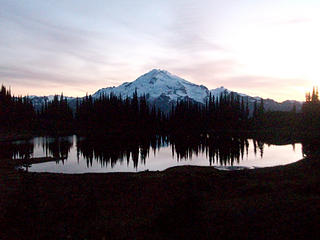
x=113 y=154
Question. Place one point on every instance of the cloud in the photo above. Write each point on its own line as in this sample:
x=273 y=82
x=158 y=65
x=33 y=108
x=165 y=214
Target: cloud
x=82 y=46
x=267 y=87
x=225 y=72
x=255 y=82
x=41 y=35
x=189 y=29
x=207 y=72
x=290 y=21
x=17 y=73
x=41 y=53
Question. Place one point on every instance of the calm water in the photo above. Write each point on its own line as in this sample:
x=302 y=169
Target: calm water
x=80 y=155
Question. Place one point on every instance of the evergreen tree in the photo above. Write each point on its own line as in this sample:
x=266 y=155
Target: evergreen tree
x=15 y=112
x=311 y=112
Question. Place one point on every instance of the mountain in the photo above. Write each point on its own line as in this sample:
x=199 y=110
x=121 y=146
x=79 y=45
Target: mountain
x=156 y=84
x=164 y=89
x=38 y=102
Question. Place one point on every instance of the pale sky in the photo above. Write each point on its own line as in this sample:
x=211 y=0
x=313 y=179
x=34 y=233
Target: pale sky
x=258 y=47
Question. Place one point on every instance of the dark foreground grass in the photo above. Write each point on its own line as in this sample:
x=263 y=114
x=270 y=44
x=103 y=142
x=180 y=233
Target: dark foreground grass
x=179 y=203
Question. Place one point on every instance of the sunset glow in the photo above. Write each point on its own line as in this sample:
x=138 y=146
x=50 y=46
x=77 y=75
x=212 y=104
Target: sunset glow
x=261 y=48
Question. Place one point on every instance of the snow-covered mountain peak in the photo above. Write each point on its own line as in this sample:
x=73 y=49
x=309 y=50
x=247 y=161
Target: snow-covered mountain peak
x=158 y=83
x=159 y=75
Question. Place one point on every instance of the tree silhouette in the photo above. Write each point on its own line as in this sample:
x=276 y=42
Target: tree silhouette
x=311 y=112
x=15 y=112
x=55 y=116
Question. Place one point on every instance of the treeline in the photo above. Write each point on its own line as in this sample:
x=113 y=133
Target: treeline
x=226 y=112
x=113 y=114
x=55 y=115
x=311 y=123
x=311 y=112
x=116 y=115
x=18 y=114
x=15 y=112
x=300 y=125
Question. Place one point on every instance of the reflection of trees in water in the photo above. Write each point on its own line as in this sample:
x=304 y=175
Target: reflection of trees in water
x=16 y=150
x=108 y=151
x=220 y=150
x=258 y=144
x=57 y=147
x=112 y=150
